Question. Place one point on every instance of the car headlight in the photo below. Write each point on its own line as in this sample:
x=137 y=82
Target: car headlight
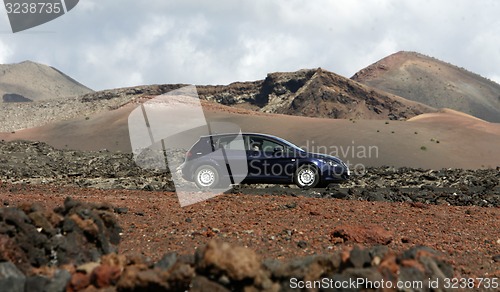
x=332 y=163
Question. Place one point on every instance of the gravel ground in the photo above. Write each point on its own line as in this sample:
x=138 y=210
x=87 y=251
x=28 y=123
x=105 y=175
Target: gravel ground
x=24 y=162
x=14 y=115
x=284 y=227
x=453 y=211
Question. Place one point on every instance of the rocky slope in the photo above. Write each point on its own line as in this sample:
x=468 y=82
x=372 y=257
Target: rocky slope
x=315 y=93
x=435 y=83
x=30 y=81
x=311 y=93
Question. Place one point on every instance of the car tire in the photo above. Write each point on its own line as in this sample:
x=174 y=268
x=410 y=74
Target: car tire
x=206 y=177
x=306 y=176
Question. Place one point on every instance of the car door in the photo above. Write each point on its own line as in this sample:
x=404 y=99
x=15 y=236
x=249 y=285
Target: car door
x=277 y=160
x=268 y=160
x=255 y=158
x=232 y=155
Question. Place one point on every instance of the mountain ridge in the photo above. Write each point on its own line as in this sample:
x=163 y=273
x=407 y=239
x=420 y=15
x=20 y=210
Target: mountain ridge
x=31 y=81
x=316 y=93
x=436 y=83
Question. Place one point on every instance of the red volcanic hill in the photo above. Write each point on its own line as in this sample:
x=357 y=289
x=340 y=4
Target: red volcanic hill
x=435 y=83
x=314 y=93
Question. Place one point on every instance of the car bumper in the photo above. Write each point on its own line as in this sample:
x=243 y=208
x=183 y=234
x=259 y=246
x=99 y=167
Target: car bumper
x=186 y=172
x=335 y=174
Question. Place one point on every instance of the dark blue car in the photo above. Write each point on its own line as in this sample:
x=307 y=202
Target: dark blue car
x=223 y=159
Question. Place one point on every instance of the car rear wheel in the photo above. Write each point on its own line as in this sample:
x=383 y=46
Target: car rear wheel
x=206 y=177
x=306 y=176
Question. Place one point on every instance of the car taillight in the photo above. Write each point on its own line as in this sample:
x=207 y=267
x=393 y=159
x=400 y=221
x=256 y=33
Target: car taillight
x=189 y=154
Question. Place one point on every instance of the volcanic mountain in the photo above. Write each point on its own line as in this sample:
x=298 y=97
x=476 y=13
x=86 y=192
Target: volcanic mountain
x=30 y=81
x=435 y=83
x=316 y=109
x=314 y=93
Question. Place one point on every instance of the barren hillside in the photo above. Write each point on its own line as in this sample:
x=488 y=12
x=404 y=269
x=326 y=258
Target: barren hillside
x=310 y=93
x=30 y=81
x=434 y=83
x=314 y=93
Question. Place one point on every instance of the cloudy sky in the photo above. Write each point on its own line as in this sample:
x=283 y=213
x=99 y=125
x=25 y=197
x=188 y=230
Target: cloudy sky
x=117 y=43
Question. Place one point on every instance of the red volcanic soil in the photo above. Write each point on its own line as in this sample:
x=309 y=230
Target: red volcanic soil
x=154 y=223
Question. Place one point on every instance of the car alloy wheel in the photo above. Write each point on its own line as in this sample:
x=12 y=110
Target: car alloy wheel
x=307 y=176
x=206 y=177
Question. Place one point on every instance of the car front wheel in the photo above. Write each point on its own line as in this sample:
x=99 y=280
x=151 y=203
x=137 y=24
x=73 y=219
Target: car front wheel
x=306 y=176
x=206 y=177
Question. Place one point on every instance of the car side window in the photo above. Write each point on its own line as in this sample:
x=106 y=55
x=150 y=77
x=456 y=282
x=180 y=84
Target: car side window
x=230 y=143
x=254 y=144
x=269 y=146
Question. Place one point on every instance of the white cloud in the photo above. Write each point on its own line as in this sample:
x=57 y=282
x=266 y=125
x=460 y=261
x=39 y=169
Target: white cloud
x=5 y=52
x=119 y=43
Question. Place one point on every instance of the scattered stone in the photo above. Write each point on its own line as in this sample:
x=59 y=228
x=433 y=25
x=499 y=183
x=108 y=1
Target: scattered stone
x=87 y=268
x=78 y=281
x=237 y=263
x=11 y=278
x=77 y=233
x=359 y=258
x=37 y=162
x=105 y=275
x=58 y=282
x=167 y=261
x=202 y=284
x=121 y=210
x=361 y=234
x=302 y=244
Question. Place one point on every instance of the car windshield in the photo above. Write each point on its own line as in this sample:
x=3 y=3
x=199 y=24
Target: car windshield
x=290 y=144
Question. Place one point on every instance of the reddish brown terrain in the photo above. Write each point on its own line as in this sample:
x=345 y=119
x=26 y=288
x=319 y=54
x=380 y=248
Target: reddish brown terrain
x=285 y=227
x=429 y=178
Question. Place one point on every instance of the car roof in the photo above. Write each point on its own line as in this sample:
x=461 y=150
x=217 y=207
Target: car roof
x=243 y=133
x=254 y=134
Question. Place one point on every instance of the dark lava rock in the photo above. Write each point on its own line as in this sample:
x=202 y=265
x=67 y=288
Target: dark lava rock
x=11 y=278
x=87 y=234
x=121 y=210
x=360 y=258
x=496 y=258
x=73 y=234
x=57 y=282
x=302 y=244
x=202 y=284
x=36 y=162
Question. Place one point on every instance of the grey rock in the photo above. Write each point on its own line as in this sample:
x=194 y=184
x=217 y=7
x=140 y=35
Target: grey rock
x=59 y=282
x=360 y=258
x=11 y=278
x=166 y=262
